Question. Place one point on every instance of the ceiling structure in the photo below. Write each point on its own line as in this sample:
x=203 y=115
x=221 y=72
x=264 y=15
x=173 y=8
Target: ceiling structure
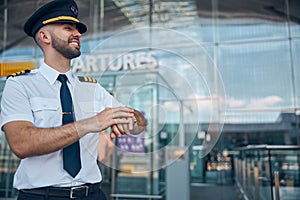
x=119 y=14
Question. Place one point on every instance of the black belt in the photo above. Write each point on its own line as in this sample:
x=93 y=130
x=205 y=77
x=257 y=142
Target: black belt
x=70 y=192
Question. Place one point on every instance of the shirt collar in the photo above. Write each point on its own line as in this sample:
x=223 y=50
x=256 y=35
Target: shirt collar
x=51 y=74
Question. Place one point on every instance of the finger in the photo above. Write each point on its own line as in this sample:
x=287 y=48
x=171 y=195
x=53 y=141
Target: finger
x=112 y=135
x=120 y=128
x=121 y=112
x=131 y=123
x=126 y=127
x=126 y=109
x=116 y=131
x=123 y=120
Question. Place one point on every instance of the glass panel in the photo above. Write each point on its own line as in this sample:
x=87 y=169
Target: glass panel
x=265 y=174
x=295 y=30
x=199 y=31
x=251 y=20
x=8 y=165
x=229 y=32
x=294 y=15
x=108 y=82
x=137 y=161
x=260 y=162
x=296 y=63
x=192 y=18
x=257 y=76
x=286 y=163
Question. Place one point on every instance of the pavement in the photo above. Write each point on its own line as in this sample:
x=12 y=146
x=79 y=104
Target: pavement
x=215 y=192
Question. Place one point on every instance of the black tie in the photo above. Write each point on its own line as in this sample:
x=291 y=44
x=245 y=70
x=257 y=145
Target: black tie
x=71 y=153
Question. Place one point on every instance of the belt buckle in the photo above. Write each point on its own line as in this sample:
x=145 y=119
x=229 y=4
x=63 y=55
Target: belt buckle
x=79 y=187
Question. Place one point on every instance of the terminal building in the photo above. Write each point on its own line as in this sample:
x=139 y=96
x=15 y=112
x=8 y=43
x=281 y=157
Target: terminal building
x=218 y=82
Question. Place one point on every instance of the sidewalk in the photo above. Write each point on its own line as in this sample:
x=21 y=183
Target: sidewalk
x=215 y=192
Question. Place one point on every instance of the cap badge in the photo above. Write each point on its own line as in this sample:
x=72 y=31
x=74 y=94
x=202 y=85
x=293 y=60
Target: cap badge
x=74 y=10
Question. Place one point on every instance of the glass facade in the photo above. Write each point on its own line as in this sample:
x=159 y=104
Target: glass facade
x=257 y=168
x=209 y=76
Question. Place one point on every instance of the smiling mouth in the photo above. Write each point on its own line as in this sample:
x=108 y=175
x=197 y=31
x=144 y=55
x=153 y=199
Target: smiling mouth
x=75 y=43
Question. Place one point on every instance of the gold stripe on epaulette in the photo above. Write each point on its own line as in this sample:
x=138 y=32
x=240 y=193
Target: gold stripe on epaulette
x=87 y=79
x=26 y=71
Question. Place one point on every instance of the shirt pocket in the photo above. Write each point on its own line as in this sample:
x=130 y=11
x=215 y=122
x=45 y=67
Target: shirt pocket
x=46 y=111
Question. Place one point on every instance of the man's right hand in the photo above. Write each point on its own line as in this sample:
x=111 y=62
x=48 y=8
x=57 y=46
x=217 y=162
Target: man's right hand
x=119 y=119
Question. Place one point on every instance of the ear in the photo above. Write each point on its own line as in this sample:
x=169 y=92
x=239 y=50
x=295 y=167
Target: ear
x=44 y=36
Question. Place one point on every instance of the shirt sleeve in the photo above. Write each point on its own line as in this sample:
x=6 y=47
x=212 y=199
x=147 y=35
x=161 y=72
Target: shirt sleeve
x=15 y=103
x=108 y=99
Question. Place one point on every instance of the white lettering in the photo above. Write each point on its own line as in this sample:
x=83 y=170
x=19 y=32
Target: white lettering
x=91 y=63
x=78 y=65
x=141 y=60
x=115 y=63
x=128 y=61
x=152 y=62
x=102 y=62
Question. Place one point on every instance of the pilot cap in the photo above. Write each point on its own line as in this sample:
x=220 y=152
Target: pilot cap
x=57 y=11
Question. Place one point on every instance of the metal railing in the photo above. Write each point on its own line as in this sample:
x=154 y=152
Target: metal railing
x=265 y=172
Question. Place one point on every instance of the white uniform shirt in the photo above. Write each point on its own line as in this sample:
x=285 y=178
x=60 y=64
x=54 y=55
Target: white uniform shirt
x=35 y=97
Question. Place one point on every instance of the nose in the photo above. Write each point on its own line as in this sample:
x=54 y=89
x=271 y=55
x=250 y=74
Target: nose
x=76 y=32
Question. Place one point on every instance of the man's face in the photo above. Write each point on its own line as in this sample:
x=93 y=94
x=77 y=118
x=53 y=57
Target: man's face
x=66 y=40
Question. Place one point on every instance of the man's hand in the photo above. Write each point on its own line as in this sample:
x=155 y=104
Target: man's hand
x=136 y=126
x=120 y=119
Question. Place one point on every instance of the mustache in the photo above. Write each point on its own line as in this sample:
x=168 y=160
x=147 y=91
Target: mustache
x=75 y=38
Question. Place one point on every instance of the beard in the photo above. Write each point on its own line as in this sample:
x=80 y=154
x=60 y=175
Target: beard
x=63 y=47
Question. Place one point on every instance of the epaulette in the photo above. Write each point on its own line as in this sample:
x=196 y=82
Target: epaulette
x=87 y=79
x=26 y=71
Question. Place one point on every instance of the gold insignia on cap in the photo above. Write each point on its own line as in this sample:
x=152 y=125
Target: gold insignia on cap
x=87 y=79
x=74 y=10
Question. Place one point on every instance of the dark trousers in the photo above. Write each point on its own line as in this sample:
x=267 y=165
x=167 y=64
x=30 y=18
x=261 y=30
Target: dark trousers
x=97 y=195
